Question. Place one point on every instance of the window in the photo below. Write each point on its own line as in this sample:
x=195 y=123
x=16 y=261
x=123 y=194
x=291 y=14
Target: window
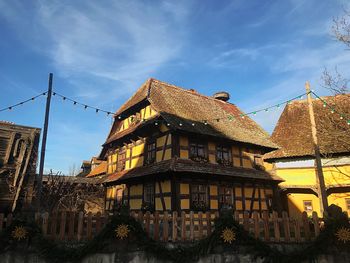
x=148 y=197
x=121 y=161
x=308 y=206
x=225 y=197
x=223 y=155
x=198 y=151
x=199 y=197
x=151 y=152
x=347 y=202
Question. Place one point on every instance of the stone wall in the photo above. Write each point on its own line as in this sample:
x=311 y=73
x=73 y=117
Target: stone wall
x=141 y=257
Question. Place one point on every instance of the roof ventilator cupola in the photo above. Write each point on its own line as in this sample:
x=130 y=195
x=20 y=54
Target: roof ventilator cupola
x=222 y=95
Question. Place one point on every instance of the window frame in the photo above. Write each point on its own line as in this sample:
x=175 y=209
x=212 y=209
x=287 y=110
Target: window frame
x=149 y=152
x=195 y=191
x=121 y=152
x=221 y=160
x=149 y=189
x=223 y=194
x=194 y=143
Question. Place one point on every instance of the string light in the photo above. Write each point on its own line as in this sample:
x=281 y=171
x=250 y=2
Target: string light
x=325 y=105
x=82 y=104
x=22 y=102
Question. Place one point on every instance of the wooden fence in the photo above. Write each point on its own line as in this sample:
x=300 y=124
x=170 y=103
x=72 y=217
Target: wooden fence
x=176 y=227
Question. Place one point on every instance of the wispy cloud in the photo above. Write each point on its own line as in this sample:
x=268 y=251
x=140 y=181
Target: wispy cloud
x=124 y=42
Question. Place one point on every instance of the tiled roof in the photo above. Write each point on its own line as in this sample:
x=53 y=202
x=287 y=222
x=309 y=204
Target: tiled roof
x=185 y=165
x=177 y=105
x=293 y=130
x=100 y=169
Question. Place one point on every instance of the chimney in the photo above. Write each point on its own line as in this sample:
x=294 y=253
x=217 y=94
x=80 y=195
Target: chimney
x=222 y=95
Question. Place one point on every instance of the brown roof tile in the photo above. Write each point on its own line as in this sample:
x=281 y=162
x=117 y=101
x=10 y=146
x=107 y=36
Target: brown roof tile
x=177 y=105
x=293 y=130
x=185 y=165
x=99 y=169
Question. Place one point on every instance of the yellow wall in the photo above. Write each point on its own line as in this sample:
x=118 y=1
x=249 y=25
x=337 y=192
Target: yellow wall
x=135 y=151
x=136 y=193
x=306 y=176
x=247 y=154
x=143 y=114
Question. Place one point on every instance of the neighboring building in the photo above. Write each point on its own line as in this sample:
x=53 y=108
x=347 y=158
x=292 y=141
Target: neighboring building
x=18 y=160
x=99 y=170
x=174 y=149
x=294 y=161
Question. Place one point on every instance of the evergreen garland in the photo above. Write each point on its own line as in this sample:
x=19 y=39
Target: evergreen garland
x=132 y=237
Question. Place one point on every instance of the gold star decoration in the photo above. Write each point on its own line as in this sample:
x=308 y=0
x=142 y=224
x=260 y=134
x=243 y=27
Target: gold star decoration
x=19 y=233
x=228 y=235
x=122 y=231
x=343 y=234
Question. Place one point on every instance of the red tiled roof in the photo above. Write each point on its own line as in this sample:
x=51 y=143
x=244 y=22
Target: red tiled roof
x=186 y=165
x=177 y=105
x=100 y=169
x=293 y=129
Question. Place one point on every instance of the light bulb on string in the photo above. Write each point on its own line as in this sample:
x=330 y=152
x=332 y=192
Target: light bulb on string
x=168 y=124
x=74 y=103
x=180 y=124
x=332 y=111
x=156 y=123
x=96 y=110
x=341 y=117
x=324 y=105
x=205 y=123
x=85 y=107
x=193 y=124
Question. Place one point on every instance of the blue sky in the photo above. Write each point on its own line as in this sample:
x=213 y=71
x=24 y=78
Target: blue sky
x=100 y=52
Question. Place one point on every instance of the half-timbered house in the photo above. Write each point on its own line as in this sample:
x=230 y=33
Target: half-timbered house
x=177 y=150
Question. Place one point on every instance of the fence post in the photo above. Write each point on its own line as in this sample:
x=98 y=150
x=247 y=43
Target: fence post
x=297 y=231
x=62 y=225
x=208 y=218
x=98 y=223
x=140 y=218
x=71 y=225
x=183 y=226
x=174 y=226
x=89 y=226
x=147 y=222
x=156 y=226
x=316 y=223
x=37 y=218
x=236 y=216
x=256 y=224
x=45 y=224
x=276 y=226
x=80 y=225
x=191 y=226
x=54 y=225
x=286 y=226
x=246 y=221
x=306 y=225
x=200 y=225
x=165 y=227
x=266 y=222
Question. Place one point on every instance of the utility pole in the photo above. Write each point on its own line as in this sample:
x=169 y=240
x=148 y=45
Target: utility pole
x=43 y=143
x=319 y=173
